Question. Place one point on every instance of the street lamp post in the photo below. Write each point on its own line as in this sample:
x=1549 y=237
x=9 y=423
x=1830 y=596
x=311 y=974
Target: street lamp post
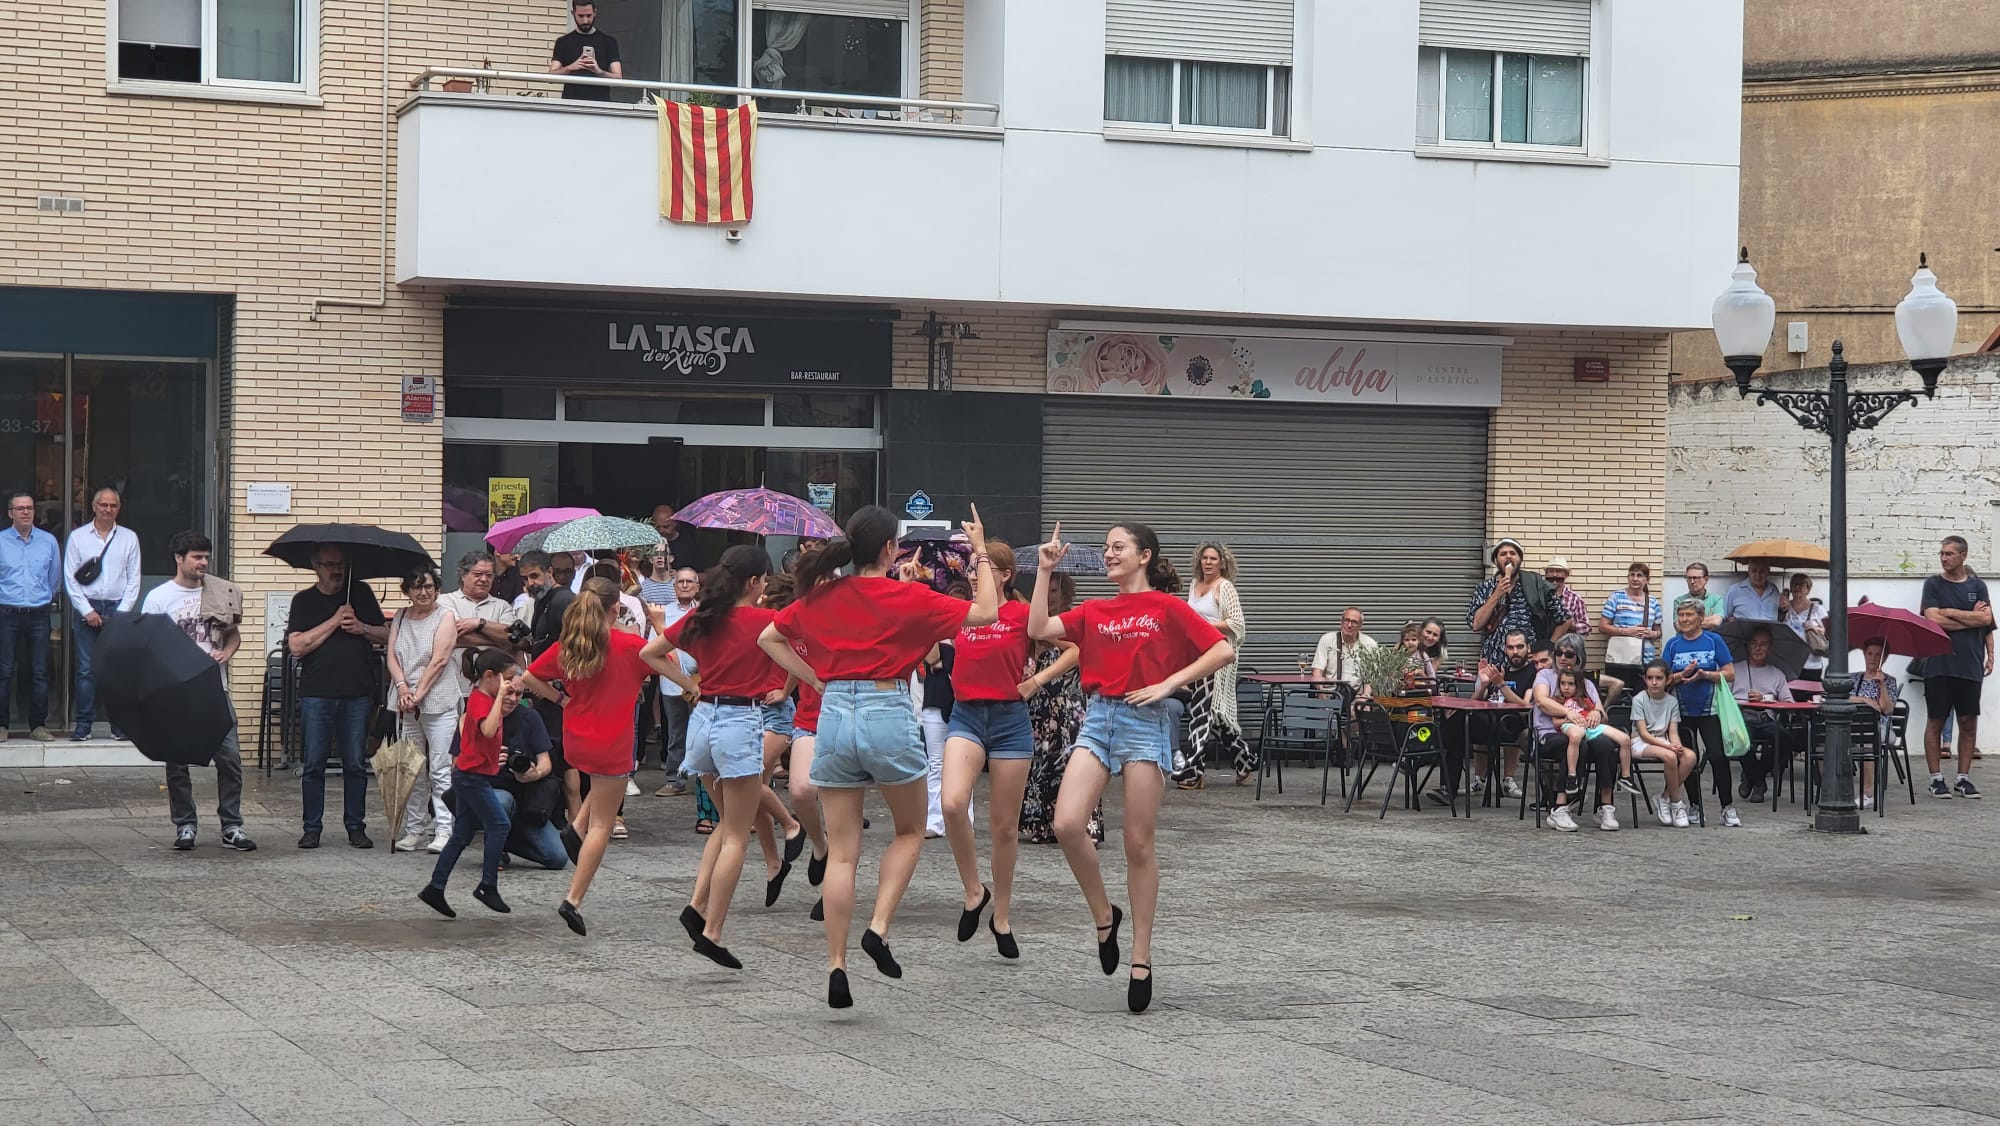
x=1926 y=323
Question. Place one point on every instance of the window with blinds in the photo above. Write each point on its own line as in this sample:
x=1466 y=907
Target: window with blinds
x=1211 y=66
x=1504 y=73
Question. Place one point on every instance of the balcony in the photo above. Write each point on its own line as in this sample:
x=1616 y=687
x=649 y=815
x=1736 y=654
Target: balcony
x=856 y=197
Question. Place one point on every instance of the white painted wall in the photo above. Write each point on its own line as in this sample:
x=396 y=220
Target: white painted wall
x=1351 y=226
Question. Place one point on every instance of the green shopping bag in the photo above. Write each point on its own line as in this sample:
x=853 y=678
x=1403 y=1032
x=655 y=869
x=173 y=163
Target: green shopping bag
x=1735 y=734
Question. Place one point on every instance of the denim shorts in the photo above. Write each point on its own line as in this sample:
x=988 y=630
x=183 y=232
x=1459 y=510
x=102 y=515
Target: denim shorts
x=1121 y=734
x=867 y=734
x=1000 y=727
x=726 y=740
x=778 y=717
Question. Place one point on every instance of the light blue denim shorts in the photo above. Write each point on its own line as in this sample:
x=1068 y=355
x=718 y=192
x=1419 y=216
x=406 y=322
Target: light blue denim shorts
x=726 y=740
x=1000 y=727
x=867 y=734
x=1120 y=734
x=778 y=717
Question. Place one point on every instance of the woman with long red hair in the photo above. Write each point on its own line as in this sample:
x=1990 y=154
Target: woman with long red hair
x=866 y=633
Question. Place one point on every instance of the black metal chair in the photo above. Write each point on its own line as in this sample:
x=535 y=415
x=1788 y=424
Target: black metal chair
x=1404 y=733
x=1307 y=724
x=1866 y=745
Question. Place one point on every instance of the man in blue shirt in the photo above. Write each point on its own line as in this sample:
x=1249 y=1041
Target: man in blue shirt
x=30 y=573
x=1757 y=600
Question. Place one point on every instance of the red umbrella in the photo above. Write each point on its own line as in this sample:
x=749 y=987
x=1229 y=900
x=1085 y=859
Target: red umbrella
x=1907 y=634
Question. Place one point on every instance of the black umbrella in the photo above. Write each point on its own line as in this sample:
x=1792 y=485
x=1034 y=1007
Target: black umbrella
x=160 y=688
x=1789 y=651
x=372 y=553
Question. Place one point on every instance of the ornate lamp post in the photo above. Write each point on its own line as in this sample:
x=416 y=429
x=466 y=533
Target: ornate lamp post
x=1927 y=324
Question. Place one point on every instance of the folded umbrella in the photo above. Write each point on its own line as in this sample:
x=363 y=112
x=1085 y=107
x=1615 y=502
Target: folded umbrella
x=506 y=535
x=161 y=688
x=1907 y=634
x=397 y=764
x=1789 y=651
x=759 y=511
x=372 y=553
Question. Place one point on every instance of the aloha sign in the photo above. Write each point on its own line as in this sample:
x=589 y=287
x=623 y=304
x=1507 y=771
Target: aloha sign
x=1372 y=372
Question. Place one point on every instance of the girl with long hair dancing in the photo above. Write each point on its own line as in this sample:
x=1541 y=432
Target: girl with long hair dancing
x=1137 y=650
x=594 y=673
x=867 y=632
x=990 y=728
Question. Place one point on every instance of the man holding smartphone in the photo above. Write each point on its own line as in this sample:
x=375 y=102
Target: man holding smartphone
x=586 y=51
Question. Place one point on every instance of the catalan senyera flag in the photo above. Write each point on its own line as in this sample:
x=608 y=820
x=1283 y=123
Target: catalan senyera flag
x=705 y=160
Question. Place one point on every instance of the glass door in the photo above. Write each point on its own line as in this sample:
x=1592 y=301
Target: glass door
x=34 y=458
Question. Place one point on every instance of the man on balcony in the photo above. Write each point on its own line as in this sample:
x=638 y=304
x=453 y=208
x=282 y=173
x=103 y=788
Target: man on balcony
x=586 y=51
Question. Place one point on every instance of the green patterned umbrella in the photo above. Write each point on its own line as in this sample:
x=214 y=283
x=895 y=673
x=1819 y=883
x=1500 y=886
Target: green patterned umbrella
x=596 y=533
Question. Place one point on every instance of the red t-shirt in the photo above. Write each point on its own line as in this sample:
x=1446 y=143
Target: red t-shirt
x=598 y=718
x=730 y=660
x=870 y=628
x=1135 y=640
x=478 y=754
x=991 y=661
x=806 y=716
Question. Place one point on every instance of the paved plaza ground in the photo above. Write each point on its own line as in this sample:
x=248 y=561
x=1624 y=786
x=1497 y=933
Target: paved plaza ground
x=1312 y=966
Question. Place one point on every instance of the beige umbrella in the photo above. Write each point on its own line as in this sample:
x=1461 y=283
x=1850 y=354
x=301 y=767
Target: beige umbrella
x=1783 y=555
x=397 y=766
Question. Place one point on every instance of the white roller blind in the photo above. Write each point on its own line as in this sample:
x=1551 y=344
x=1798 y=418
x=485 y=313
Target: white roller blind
x=870 y=9
x=164 y=23
x=1251 y=31
x=1546 y=27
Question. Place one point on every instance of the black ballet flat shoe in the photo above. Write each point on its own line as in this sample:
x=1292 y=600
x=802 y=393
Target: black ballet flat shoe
x=571 y=916
x=1005 y=941
x=435 y=897
x=775 y=886
x=816 y=870
x=720 y=955
x=885 y=962
x=692 y=922
x=794 y=845
x=818 y=913
x=1107 y=948
x=837 y=996
x=489 y=895
x=1139 y=994
x=968 y=921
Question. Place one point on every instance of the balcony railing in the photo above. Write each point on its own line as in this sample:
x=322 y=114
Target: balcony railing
x=797 y=103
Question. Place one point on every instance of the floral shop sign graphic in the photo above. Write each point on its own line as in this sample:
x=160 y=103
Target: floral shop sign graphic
x=1284 y=368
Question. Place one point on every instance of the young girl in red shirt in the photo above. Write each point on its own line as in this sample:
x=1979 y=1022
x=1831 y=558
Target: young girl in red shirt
x=472 y=772
x=866 y=634
x=1137 y=650
x=594 y=674
x=989 y=729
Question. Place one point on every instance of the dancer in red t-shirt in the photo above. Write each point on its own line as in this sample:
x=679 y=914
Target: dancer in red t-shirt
x=865 y=634
x=1137 y=650
x=991 y=686
x=594 y=673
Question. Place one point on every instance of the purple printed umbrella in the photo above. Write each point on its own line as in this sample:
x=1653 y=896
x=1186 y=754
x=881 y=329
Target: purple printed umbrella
x=759 y=511
x=507 y=534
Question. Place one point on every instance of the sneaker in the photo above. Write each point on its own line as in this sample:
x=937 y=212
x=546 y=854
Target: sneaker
x=1560 y=820
x=437 y=843
x=631 y=788
x=1729 y=818
x=1939 y=789
x=1965 y=788
x=673 y=789
x=1665 y=810
x=1625 y=786
x=1758 y=793
x=1478 y=786
x=1510 y=788
x=235 y=839
x=1680 y=815
x=359 y=839
x=1868 y=801
x=42 y=735
x=79 y=736
x=410 y=842
x=1441 y=796
x=184 y=838
x=1693 y=813
x=1607 y=819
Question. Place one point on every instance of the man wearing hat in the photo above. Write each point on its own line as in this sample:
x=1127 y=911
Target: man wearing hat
x=1557 y=572
x=1512 y=599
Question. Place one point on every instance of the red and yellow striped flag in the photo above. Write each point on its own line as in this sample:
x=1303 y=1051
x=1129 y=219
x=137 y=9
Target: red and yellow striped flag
x=705 y=158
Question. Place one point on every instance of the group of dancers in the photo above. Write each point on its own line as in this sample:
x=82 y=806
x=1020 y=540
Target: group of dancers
x=845 y=646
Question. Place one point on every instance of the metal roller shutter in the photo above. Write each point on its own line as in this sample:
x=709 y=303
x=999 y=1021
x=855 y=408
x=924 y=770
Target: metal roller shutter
x=1380 y=508
x=1544 y=27
x=872 y=9
x=1256 y=31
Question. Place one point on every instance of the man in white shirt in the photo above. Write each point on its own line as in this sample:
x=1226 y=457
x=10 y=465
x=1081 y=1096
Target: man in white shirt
x=106 y=553
x=482 y=618
x=673 y=705
x=1770 y=741
x=179 y=598
x=1336 y=654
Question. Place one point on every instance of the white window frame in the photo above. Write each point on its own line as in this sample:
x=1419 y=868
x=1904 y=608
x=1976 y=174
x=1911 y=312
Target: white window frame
x=1174 y=124
x=1585 y=105
x=305 y=89
x=912 y=32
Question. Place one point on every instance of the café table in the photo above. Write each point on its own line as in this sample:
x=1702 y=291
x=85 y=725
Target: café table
x=1798 y=713
x=1465 y=707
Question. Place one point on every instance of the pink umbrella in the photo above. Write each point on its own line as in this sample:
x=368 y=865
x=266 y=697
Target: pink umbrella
x=507 y=533
x=759 y=511
x=1907 y=634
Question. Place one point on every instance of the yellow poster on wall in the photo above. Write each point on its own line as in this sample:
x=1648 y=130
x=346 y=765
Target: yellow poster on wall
x=506 y=498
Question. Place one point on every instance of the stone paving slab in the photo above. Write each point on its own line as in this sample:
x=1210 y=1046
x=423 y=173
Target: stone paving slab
x=1313 y=967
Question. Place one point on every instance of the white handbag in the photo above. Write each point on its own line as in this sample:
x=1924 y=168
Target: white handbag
x=1629 y=650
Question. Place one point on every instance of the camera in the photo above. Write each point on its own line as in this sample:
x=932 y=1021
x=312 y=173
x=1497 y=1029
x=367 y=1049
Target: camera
x=519 y=760
x=518 y=632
